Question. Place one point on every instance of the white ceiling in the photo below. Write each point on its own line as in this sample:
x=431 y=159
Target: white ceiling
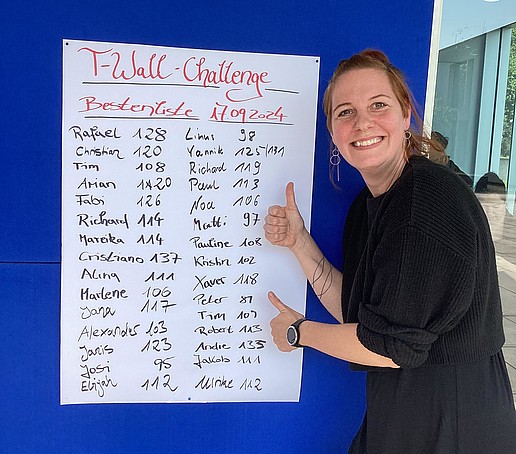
x=465 y=19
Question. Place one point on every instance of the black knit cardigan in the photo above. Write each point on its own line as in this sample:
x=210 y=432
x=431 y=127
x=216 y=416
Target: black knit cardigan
x=420 y=276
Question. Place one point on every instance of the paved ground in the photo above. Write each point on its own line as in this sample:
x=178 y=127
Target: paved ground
x=503 y=229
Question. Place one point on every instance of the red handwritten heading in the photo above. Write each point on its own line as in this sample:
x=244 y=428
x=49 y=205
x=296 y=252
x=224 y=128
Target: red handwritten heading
x=132 y=66
x=159 y=108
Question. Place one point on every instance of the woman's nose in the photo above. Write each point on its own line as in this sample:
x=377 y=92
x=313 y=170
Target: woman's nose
x=363 y=121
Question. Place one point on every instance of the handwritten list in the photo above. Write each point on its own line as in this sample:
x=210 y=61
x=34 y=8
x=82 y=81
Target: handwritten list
x=171 y=158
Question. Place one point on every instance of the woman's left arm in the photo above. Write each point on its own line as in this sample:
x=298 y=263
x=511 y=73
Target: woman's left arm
x=338 y=340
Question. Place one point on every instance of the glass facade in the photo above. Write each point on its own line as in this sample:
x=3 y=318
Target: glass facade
x=474 y=109
x=508 y=141
x=457 y=100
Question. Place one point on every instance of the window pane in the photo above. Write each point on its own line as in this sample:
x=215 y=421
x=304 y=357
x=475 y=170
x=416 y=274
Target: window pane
x=457 y=100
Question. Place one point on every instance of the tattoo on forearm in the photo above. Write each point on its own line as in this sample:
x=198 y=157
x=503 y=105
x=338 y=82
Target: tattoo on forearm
x=320 y=272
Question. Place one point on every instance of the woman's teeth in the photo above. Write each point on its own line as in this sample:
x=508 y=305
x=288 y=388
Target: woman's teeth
x=366 y=143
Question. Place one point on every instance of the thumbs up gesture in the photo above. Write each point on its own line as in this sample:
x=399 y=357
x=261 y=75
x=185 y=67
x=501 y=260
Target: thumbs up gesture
x=284 y=225
x=281 y=322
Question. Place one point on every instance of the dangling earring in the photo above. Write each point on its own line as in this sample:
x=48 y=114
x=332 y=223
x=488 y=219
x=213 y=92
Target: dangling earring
x=407 y=135
x=335 y=160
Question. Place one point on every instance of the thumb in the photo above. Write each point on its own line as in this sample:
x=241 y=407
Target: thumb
x=290 y=195
x=276 y=302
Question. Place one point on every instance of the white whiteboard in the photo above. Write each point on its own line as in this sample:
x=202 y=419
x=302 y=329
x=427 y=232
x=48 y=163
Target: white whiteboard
x=171 y=158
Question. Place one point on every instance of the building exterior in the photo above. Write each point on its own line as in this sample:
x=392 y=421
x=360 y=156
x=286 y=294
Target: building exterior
x=474 y=109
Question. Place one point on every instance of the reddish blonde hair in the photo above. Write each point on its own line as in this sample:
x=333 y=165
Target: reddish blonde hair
x=375 y=59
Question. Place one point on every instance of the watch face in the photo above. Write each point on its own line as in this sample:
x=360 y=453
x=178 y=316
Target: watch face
x=291 y=335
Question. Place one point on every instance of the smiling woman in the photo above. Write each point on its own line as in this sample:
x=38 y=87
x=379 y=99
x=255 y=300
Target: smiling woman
x=417 y=301
x=398 y=88
x=368 y=125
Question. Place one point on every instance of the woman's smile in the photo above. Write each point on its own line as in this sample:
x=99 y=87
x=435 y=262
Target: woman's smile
x=366 y=142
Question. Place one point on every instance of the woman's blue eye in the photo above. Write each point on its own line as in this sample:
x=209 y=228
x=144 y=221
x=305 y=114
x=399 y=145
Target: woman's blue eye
x=379 y=105
x=344 y=113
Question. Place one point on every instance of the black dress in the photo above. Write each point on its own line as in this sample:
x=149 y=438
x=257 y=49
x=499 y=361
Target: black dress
x=445 y=398
x=463 y=409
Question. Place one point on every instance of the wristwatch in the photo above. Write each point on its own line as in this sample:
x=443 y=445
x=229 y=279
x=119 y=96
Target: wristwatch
x=293 y=333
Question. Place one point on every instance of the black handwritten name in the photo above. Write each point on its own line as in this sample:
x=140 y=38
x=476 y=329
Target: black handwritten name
x=88 y=371
x=216 y=222
x=94 y=274
x=86 y=220
x=93 y=133
x=197 y=135
x=205 y=315
x=196 y=184
x=201 y=361
x=207 y=331
x=203 y=300
x=98 y=152
x=108 y=238
x=211 y=243
x=206 y=168
x=98 y=385
x=204 y=282
x=103 y=311
x=203 y=346
x=214 y=382
x=89 y=332
x=110 y=257
x=87 y=184
x=87 y=294
x=201 y=261
x=89 y=199
x=202 y=205
x=195 y=152
x=86 y=166
x=99 y=350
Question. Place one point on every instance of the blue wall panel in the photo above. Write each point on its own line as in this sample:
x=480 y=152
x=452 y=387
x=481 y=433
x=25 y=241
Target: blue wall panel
x=31 y=34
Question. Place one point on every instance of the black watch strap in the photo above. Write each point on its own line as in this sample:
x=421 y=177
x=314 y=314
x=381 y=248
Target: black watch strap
x=293 y=335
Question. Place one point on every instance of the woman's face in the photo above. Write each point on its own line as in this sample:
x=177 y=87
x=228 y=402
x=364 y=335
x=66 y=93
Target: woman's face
x=367 y=121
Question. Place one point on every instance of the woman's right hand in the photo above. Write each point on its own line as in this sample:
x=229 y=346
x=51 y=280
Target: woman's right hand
x=284 y=225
